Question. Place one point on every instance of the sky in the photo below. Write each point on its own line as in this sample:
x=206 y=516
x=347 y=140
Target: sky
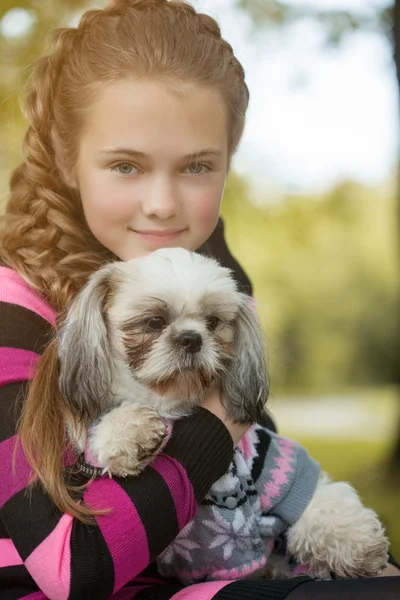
x=316 y=116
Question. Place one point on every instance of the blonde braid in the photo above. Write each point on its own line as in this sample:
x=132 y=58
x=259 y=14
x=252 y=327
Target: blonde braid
x=210 y=27
x=116 y=8
x=56 y=255
x=123 y=5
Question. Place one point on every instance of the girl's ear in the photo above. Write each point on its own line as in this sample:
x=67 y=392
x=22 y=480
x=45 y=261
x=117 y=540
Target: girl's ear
x=245 y=384
x=84 y=349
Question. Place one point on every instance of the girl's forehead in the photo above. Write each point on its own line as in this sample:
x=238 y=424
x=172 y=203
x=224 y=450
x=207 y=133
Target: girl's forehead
x=148 y=115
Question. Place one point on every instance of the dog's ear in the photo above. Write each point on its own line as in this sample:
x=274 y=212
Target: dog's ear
x=245 y=383
x=84 y=349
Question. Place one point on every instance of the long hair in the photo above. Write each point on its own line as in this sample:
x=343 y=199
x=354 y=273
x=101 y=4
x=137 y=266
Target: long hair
x=42 y=436
x=45 y=237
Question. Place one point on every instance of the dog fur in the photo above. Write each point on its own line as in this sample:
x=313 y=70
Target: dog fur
x=144 y=341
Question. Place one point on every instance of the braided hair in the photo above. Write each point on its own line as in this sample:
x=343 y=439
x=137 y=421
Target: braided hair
x=45 y=237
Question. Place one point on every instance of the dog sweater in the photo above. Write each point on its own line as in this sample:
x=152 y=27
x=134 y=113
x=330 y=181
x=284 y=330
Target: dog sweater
x=268 y=485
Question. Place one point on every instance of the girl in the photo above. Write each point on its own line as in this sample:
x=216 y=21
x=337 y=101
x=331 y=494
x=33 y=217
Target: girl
x=133 y=119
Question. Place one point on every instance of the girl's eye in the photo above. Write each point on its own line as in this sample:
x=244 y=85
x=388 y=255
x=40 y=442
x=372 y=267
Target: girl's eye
x=124 y=169
x=155 y=324
x=196 y=168
x=212 y=323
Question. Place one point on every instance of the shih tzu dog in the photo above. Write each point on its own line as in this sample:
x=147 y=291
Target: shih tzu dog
x=144 y=341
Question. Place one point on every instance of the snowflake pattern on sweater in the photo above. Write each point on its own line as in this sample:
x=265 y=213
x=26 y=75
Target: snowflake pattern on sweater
x=268 y=485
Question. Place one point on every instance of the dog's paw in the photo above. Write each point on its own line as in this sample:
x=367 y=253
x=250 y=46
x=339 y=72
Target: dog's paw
x=337 y=534
x=127 y=439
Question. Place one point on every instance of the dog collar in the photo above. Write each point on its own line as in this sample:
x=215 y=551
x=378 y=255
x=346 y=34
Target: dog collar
x=87 y=469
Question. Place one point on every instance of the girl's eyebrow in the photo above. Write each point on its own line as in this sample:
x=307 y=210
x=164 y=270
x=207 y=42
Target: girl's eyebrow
x=136 y=153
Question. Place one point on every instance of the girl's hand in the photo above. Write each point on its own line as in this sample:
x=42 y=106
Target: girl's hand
x=212 y=402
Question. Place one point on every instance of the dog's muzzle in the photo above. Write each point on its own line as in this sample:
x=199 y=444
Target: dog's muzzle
x=190 y=341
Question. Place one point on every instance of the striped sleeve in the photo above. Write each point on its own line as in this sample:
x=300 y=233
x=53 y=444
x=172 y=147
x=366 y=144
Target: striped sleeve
x=65 y=558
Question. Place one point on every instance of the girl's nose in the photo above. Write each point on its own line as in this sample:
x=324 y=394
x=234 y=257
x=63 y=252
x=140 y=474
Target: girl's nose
x=161 y=199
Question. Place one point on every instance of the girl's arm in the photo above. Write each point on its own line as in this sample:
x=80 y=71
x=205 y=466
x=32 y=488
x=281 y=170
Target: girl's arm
x=66 y=558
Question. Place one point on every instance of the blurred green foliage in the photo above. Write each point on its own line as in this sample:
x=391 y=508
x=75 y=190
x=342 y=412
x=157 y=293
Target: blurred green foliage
x=325 y=276
x=336 y=22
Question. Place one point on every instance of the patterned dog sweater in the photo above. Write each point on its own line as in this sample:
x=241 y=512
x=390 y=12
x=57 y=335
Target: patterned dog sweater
x=269 y=483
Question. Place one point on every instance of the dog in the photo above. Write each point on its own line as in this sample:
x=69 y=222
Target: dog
x=143 y=342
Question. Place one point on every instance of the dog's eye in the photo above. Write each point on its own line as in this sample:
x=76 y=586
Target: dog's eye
x=212 y=323
x=155 y=324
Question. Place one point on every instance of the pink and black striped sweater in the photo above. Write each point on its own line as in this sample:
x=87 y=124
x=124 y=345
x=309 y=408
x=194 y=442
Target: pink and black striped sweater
x=47 y=554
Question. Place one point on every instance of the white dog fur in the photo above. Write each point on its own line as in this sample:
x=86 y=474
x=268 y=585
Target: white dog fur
x=337 y=534
x=144 y=341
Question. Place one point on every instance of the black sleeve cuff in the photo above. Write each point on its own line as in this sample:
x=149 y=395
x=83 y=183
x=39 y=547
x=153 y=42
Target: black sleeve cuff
x=261 y=589
x=203 y=446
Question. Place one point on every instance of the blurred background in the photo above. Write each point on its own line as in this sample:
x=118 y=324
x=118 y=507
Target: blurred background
x=312 y=212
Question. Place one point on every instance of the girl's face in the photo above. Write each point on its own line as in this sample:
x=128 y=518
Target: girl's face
x=152 y=166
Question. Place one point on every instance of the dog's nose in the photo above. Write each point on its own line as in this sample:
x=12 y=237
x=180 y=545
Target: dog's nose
x=191 y=341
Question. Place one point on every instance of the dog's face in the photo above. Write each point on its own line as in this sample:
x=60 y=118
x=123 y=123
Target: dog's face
x=175 y=322
x=171 y=317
